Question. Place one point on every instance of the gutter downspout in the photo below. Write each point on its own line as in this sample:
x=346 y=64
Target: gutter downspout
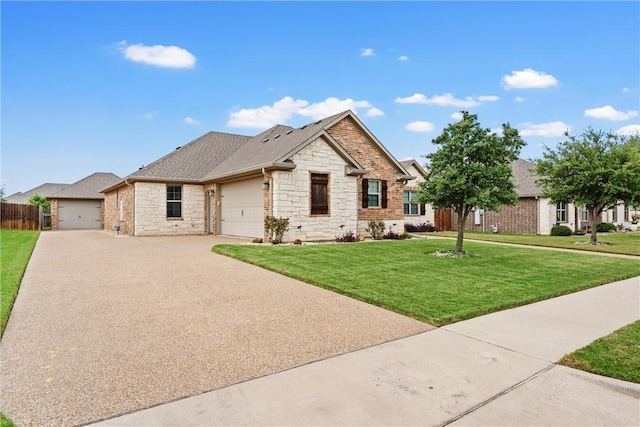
x=133 y=206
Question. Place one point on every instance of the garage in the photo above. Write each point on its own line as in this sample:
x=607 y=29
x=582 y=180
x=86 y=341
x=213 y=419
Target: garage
x=79 y=214
x=242 y=208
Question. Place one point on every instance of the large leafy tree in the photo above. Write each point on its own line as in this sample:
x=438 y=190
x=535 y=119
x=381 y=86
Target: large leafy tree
x=596 y=170
x=471 y=169
x=39 y=200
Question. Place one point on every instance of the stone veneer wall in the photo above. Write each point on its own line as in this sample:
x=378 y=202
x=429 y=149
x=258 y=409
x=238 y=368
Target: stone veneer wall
x=413 y=185
x=291 y=195
x=358 y=144
x=151 y=207
x=117 y=208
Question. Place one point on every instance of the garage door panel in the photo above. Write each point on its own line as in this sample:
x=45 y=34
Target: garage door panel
x=242 y=208
x=79 y=214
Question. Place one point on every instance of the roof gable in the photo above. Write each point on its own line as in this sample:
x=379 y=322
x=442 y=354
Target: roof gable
x=88 y=187
x=525 y=178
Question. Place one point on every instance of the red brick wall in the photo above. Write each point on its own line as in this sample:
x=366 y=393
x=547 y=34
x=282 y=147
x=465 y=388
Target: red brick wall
x=358 y=144
x=111 y=209
x=519 y=219
x=54 y=214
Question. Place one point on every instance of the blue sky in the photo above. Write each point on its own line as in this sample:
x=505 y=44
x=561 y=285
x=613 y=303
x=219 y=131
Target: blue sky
x=110 y=86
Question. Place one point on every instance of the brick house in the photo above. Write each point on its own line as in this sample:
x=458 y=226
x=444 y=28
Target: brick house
x=327 y=178
x=81 y=205
x=531 y=214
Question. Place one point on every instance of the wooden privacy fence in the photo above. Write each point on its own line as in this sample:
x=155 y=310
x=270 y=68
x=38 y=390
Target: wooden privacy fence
x=442 y=219
x=19 y=217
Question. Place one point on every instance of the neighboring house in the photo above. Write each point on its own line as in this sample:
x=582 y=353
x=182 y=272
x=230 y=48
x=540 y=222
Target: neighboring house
x=327 y=178
x=531 y=214
x=80 y=205
x=414 y=212
x=44 y=190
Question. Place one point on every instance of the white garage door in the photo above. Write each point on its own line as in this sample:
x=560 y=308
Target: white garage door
x=242 y=208
x=79 y=214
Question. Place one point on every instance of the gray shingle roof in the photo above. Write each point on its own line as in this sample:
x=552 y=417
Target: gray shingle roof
x=44 y=190
x=525 y=178
x=194 y=160
x=88 y=187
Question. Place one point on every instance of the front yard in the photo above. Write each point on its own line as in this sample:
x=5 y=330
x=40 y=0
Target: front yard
x=16 y=247
x=404 y=277
x=619 y=243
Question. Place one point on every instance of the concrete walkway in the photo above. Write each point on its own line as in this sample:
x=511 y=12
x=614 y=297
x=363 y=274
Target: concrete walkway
x=497 y=369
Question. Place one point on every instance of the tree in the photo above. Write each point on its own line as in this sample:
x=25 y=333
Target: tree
x=597 y=170
x=471 y=169
x=38 y=200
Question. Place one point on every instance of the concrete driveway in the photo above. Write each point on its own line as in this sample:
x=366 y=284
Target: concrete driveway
x=106 y=325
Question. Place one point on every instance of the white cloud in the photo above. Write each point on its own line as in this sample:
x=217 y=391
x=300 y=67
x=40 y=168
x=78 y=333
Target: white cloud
x=528 y=78
x=419 y=126
x=550 y=129
x=403 y=58
x=366 y=52
x=189 y=121
x=158 y=55
x=518 y=99
x=149 y=115
x=497 y=131
x=329 y=106
x=456 y=116
x=266 y=116
x=629 y=89
x=488 y=98
x=629 y=130
x=445 y=100
x=374 y=112
x=269 y=115
x=609 y=113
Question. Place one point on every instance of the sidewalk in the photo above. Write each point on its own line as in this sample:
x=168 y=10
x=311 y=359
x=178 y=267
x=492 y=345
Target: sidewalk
x=497 y=369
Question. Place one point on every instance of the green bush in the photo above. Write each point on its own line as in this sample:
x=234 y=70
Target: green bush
x=561 y=230
x=605 y=227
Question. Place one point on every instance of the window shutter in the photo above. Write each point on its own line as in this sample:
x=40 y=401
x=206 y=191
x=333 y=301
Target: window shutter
x=384 y=194
x=423 y=209
x=365 y=193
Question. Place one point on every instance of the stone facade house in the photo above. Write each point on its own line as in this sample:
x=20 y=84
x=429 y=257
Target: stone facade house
x=415 y=213
x=81 y=204
x=327 y=178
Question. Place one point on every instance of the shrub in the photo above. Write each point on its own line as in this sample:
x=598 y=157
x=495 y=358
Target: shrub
x=347 y=237
x=560 y=230
x=605 y=227
x=424 y=227
x=276 y=227
x=376 y=229
x=391 y=235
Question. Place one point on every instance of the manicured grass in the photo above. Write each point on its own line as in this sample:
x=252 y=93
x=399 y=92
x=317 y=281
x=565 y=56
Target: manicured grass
x=621 y=243
x=5 y=422
x=617 y=355
x=16 y=247
x=402 y=275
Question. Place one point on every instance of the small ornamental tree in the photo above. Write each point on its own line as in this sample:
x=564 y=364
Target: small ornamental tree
x=596 y=170
x=471 y=169
x=39 y=200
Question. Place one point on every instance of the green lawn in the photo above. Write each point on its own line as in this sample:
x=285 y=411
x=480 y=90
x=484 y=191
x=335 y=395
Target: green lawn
x=617 y=355
x=402 y=275
x=621 y=243
x=16 y=247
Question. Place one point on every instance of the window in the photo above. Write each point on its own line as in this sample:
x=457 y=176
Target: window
x=614 y=213
x=410 y=206
x=561 y=212
x=374 y=193
x=174 y=201
x=626 y=213
x=584 y=214
x=319 y=194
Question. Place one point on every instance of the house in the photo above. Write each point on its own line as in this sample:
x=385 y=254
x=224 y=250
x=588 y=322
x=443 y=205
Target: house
x=415 y=213
x=533 y=214
x=45 y=190
x=327 y=178
x=80 y=205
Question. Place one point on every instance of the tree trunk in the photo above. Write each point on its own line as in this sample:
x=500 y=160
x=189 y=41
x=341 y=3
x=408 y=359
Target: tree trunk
x=462 y=219
x=593 y=220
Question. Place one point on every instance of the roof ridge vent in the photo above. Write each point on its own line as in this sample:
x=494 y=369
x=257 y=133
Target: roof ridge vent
x=289 y=131
x=266 y=140
x=277 y=136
